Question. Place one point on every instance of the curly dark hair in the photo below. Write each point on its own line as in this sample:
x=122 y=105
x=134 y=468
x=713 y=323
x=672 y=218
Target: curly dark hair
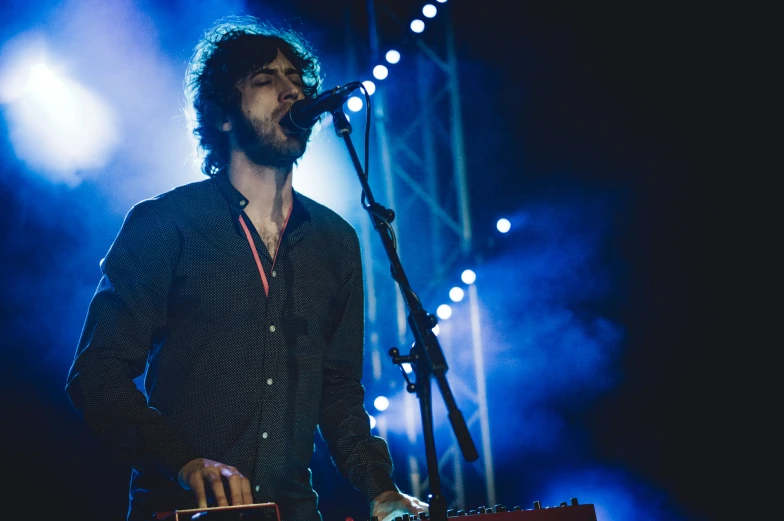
x=232 y=49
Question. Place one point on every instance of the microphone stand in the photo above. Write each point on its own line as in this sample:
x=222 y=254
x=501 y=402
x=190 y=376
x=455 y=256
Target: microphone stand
x=426 y=355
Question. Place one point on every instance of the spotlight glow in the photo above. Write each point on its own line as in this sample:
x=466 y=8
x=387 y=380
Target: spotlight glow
x=393 y=56
x=370 y=87
x=372 y=421
x=417 y=26
x=456 y=294
x=444 y=311
x=468 y=276
x=436 y=329
x=59 y=126
x=503 y=225
x=429 y=10
x=381 y=403
x=441 y=1
x=380 y=72
x=355 y=104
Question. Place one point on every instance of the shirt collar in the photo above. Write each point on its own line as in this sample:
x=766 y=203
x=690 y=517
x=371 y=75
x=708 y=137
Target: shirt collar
x=298 y=222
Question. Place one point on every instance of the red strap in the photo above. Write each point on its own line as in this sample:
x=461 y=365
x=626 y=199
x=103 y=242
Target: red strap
x=256 y=253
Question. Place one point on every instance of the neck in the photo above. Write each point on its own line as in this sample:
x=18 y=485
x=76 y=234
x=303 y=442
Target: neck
x=267 y=188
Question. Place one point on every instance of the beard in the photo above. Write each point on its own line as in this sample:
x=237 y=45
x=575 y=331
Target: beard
x=263 y=144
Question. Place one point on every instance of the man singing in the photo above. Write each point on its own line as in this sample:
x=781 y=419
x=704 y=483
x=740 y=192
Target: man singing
x=241 y=302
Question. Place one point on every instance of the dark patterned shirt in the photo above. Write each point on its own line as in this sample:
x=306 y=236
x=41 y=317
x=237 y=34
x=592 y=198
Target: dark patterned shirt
x=232 y=374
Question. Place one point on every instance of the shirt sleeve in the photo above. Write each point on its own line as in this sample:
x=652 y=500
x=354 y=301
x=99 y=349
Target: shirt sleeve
x=362 y=458
x=126 y=313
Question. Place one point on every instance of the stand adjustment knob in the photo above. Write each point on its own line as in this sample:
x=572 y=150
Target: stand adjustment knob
x=574 y=501
x=537 y=505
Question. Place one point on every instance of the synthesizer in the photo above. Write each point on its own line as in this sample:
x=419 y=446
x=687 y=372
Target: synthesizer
x=572 y=511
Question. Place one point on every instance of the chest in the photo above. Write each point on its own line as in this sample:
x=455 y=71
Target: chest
x=270 y=232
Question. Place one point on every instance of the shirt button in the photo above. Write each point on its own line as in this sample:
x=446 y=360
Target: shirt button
x=264 y=435
x=243 y=203
x=269 y=381
x=273 y=273
x=272 y=329
x=257 y=488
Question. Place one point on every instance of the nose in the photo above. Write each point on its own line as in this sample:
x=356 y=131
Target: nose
x=290 y=91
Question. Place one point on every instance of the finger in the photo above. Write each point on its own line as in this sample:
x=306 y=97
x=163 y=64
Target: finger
x=216 y=484
x=235 y=488
x=197 y=486
x=247 y=495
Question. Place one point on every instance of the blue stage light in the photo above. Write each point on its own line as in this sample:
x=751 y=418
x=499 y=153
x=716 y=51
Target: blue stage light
x=381 y=403
x=392 y=56
x=444 y=311
x=380 y=72
x=468 y=276
x=355 y=104
x=503 y=225
x=59 y=126
x=417 y=26
x=429 y=10
x=456 y=294
x=370 y=87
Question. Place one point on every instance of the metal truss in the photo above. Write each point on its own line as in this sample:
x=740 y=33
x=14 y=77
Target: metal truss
x=421 y=165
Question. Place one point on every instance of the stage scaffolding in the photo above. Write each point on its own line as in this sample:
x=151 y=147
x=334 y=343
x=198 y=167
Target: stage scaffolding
x=418 y=169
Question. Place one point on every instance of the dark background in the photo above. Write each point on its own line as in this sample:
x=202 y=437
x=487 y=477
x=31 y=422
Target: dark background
x=571 y=98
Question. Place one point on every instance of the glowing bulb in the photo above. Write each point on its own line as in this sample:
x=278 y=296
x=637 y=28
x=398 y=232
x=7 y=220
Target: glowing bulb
x=355 y=104
x=468 y=276
x=503 y=225
x=417 y=26
x=381 y=403
x=429 y=10
x=370 y=87
x=456 y=294
x=444 y=311
x=393 y=56
x=380 y=72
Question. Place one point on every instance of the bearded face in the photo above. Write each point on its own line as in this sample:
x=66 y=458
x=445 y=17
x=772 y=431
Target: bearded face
x=266 y=143
x=266 y=98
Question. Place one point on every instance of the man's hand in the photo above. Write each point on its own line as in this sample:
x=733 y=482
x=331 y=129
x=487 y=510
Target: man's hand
x=199 y=474
x=390 y=504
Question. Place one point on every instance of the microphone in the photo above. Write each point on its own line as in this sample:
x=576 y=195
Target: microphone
x=306 y=112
